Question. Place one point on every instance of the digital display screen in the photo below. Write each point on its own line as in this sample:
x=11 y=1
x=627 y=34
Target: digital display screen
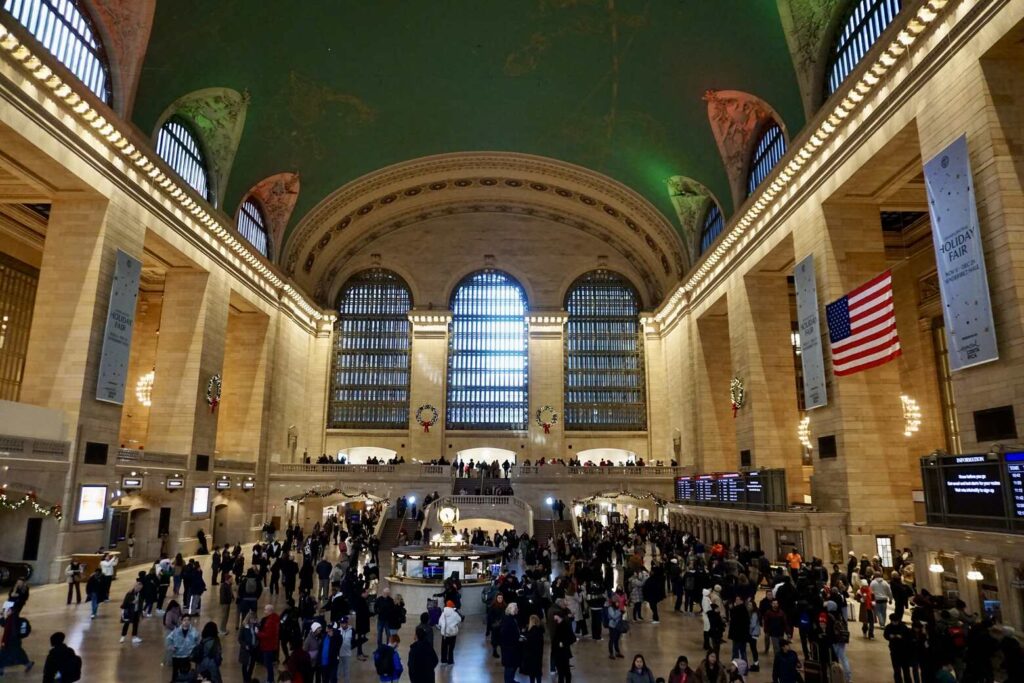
x=175 y=483
x=201 y=500
x=1015 y=471
x=251 y=485
x=973 y=487
x=760 y=490
x=222 y=484
x=129 y=483
x=92 y=504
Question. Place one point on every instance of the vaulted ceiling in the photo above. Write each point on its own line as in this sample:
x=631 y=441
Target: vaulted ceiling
x=340 y=88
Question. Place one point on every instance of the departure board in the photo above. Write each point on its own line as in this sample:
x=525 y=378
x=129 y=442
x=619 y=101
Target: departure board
x=975 y=491
x=756 y=490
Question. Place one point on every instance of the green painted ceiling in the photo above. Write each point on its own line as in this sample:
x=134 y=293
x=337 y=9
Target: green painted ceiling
x=341 y=88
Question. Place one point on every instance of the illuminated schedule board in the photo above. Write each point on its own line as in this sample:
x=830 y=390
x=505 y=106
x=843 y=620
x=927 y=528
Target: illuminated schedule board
x=975 y=491
x=755 y=490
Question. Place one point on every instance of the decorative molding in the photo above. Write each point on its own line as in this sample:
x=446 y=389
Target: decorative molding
x=277 y=195
x=327 y=283
x=810 y=26
x=691 y=201
x=140 y=170
x=791 y=177
x=737 y=118
x=124 y=27
x=485 y=176
x=218 y=115
x=430 y=324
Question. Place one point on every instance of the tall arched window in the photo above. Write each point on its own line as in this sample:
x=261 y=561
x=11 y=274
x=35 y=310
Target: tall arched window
x=63 y=27
x=487 y=361
x=370 y=369
x=605 y=388
x=866 y=21
x=771 y=147
x=712 y=227
x=253 y=226
x=179 y=147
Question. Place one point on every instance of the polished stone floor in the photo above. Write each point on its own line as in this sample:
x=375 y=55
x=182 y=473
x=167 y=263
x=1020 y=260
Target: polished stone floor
x=104 y=659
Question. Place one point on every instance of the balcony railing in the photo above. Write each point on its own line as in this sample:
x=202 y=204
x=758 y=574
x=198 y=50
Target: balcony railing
x=37 y=450
x=170 y=461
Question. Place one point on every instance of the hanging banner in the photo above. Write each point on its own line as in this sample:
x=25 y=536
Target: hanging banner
x=117 y=337
x=963 y=282
x=810 y=334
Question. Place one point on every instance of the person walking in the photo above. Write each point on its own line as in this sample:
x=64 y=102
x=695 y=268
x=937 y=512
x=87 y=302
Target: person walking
x=226 y=596
x=448 y=623
x=269 y=639
x=739 y=628
x=62 y=663
x=902 y=646
x=181 y=642
x=131 y=610
x=11 y=651
x=327 y=655
x=638 y=672
x=786 y=667
x=386 y=660
x=345 y=636
x=755 y=633
x=508 y=635
x=384 y=606
x=94 y=591
x=615 y=617
x=681 y=672
x=654 y=591
x=882 y=598
x=312 y=645
x=209 y=655
x=73 y=574
x=248 y=646
x=711 y=670
x=422 y=659
x=533 y=651
x=562 y=640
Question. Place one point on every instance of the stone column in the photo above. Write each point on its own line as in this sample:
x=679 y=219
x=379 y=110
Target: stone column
x=319 y=384
x=762 y=357
x=659 y=433
x=68 y=323
x=429 y=381
x=716 y=447
x=240 y=423
x=547 y=382
x=191 y=350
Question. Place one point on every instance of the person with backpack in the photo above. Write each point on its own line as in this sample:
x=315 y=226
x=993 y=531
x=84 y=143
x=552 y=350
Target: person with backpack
x=249 y=592
x=131 y=610
x=61 y=662
x=838 y=630
x=208 y=654
x=11 y=652
x=387 y=661
x=448 y=623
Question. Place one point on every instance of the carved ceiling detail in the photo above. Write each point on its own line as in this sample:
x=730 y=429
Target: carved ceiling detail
x=691 y=200
x=277 y=195
x=809 y=26
x=124 y=27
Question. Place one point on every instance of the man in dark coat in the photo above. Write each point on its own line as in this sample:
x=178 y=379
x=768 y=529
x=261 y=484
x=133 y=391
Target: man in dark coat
x=59 y=662
x=508 y=636
x=422 y=659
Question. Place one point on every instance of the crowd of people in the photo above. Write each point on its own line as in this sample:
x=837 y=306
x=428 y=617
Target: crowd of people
x=548 y=598
x=493 y=469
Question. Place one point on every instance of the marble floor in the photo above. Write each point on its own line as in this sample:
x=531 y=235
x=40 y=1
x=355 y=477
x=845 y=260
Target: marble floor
x=104 y=659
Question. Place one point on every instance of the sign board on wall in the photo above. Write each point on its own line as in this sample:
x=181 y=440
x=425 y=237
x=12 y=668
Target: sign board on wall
x=963 y=282
x=117 y=336
x=201 y=500
x=92 y=502
x=810 y=334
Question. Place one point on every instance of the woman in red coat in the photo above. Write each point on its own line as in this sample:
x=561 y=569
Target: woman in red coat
x=269 y=637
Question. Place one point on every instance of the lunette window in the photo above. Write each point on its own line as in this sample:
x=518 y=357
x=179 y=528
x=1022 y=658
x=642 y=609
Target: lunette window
x=253 y=226
x=178 y=145
x=770 y=149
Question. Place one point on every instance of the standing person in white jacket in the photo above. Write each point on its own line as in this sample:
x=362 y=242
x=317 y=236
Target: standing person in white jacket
x=705 y=606
x=449 y=623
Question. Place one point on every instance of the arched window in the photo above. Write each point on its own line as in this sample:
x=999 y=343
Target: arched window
x=253 y=226
x=712 y=227
x=179 y=147
x=370 y=368
x=866 y=21
x=770 y=148
x=487 y=362
x=63 y=27
x=604 y=360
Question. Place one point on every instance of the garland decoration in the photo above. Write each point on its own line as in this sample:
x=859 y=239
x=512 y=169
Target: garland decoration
x=421 y=420
x=737 y=394
x=314 y=493
x=213 y=390
x=30 y=499
x=546 y=416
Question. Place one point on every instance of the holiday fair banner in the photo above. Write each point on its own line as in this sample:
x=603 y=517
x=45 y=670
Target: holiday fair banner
x=963 y=282
x=117 y=337
x=810 y=334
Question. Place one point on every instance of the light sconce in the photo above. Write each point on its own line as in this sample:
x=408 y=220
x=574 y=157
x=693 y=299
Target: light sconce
x=144 y=389
x=911 y=415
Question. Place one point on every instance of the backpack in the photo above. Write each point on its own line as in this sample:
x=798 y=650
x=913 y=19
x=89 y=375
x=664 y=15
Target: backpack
x=384 y=661
x=72 y=671
x=251 y=587
x=841 y=629
x=24 y=627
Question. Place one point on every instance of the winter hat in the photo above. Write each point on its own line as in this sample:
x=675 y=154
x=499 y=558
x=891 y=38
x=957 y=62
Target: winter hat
x=315 y=626
x=831 y=606
x=449 y=604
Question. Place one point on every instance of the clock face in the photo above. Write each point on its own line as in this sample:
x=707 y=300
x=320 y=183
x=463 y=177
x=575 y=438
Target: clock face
x=446 y=515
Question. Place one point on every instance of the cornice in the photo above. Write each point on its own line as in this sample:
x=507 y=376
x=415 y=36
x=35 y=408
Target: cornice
x=130 y=162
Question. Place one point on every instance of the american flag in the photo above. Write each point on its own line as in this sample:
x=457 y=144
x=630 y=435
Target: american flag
x=862 y=327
